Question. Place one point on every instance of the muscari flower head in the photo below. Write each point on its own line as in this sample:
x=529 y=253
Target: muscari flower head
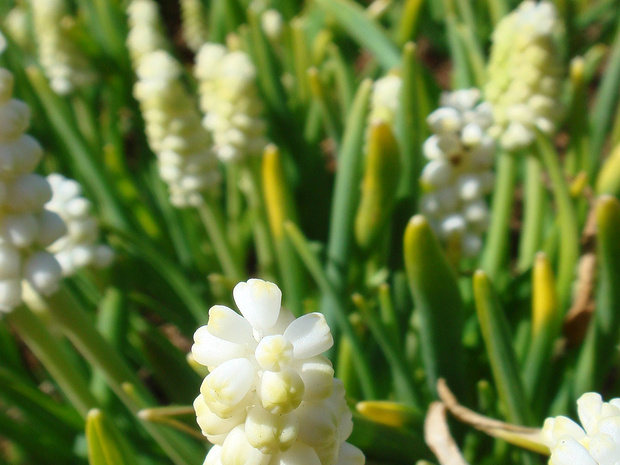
x=230 y=102
x=525 y=75
x=62 y=61
x=595 y=442
x=79 y=247
x=270 y=397
x=26 y=228
x=458 y=174
x=183 y=147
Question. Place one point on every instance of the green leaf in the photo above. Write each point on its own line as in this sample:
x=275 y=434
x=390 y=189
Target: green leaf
x=606 y=98
x=567 y=216
x=346 y=197
x=378 y=193
x=385 y=443
x=498 y=342
x=365 y=31
x=341 y=318
x=438 y=303
x=106 y=446
x=168 y=270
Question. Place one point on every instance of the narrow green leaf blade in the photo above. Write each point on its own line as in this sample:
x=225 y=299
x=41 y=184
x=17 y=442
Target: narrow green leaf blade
x=437 y=299
x=498 y=342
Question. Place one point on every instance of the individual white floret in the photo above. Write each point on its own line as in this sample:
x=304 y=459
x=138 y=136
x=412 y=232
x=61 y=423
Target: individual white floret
x=458 y=174
x=525 y=74
x=270 y=397
x=183 y=147
x=595 y=442
x=230 y=102
x=78 y=247
x=62 y=61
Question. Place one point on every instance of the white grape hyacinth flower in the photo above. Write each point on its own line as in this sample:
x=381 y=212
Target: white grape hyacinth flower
x=230 y=102
x=270 y=397
x=459 y=174
x=26 y=228
x=64 y=64
x=79 y=247
x=595 y=442
x=525 y=75
x=184 y=149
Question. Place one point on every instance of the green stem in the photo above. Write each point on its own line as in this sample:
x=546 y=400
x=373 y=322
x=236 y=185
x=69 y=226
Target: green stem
x=48 y=351
x=262 y=237
x=496 y=248
x=403 y=383
x=362 y=367
x=213 y=221
x=534 y=208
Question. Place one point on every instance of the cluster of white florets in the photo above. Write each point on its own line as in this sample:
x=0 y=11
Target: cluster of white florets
x=384 y=99
x=145 y=29
x=194 y=23
x=270 y=397
x=229 y=99
x=458 y=174
x=183 y=147
x=525 y=75
x=26 y=228
x=79 y=247
x=63 y=63
x=595 y=442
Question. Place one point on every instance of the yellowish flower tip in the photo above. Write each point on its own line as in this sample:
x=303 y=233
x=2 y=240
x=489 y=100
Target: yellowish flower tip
x=579 y=184
x=94 y=414
x=608 y=181
x=577 y=69
x=544 y=298
x=385 y=412
x=417 y=221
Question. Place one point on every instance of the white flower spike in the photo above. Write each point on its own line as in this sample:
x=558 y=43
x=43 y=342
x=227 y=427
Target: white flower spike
x=525 y=75
x=595 y=442
x=79 y=247
x=26 y=228
x=64 y=65
x=184 y=152
x=230 y=102
x=270 y=397
x=458 y=174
